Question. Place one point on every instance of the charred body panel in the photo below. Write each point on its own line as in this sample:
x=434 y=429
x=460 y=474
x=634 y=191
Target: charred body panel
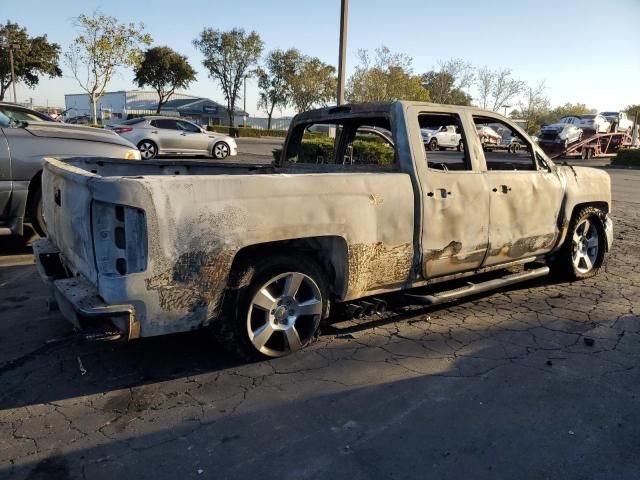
x=162 y=238
x=197 y=224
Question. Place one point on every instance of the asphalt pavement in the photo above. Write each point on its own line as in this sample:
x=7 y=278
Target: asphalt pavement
x=537 y=381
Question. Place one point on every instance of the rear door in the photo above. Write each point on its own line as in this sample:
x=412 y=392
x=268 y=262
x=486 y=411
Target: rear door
x=525 y=199
x=455 y=201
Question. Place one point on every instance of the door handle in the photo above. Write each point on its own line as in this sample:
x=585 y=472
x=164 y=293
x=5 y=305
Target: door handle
x=444 y=193
x=505 y=188
x=154 y=131
x=183 y=134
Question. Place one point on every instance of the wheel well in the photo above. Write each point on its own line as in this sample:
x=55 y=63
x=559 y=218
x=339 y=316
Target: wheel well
x=330 y=252
x=34 y=185
x=604 y=206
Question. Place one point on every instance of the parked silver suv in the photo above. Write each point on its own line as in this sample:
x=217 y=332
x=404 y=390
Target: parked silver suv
x=156 y=135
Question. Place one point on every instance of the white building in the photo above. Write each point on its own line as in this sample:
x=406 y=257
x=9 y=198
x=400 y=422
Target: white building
x=114 y=107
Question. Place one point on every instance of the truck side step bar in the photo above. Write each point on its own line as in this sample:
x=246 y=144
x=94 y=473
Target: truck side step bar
x=475 y=288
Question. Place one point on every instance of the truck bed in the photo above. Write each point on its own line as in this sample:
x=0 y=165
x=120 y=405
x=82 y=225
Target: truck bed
x=161 y=236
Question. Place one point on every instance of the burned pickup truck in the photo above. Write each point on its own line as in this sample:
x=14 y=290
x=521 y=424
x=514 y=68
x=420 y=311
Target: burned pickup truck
x=258 y=253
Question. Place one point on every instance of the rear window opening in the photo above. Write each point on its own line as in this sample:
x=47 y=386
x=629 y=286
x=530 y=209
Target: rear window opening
x=351 y=143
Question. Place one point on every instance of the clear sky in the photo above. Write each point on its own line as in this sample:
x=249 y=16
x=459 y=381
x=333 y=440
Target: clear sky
x=586 y=51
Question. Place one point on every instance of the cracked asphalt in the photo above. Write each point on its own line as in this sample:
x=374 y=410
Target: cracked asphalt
x=536 y=381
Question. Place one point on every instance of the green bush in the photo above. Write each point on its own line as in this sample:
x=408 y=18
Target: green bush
x=365 y=152
x=627 y=157
x=273 y=133
x=235 y=131
x=95 y=125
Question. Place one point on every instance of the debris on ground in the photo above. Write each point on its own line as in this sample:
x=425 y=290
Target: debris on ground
x=83 y=370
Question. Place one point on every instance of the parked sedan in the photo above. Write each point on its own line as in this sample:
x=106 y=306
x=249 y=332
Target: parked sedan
x=155 y=136
x=23 y=145
x=19 y=113
x=572 y=119
x=559 y=135
x=596 y=123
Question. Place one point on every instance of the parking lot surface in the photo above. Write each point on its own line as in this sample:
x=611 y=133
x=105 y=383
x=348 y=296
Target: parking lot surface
x=535 y=381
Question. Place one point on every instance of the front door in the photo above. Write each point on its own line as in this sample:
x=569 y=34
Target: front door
x=525 y=199
x=455 y=202
x=166 y=134
x=193 y=140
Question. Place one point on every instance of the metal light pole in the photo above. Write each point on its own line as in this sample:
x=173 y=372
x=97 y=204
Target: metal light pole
x=344 y=13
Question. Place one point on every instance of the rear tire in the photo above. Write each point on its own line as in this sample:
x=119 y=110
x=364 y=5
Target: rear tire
x=582 y=253
x=245 y=317
x=36 y=213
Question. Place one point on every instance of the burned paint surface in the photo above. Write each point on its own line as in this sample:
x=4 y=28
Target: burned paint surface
x=451 y=250
x=524 y=246
x=378 y=265
x=195 y=283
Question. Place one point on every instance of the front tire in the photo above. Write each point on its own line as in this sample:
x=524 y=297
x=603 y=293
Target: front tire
x=148 y=149
x=433 y=144
x=221 y=150
x=583 y=251
x=273 y=307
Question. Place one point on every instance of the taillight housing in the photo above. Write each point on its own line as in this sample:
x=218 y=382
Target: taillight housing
x=122 y=129
x=119 y=238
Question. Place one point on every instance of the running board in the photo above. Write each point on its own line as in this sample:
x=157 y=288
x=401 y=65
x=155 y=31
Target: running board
x=475 y=288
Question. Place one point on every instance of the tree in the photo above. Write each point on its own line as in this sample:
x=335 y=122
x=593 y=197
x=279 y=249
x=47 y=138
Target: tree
x=165 y=70
x=569 y=109
x=313 y=83
x=496 y=88
x=32 y=57
x=102 y=46
x=534 y=106
x=442 y=90
x=632 y=110
x=388 y=77
x=274 y=88
x=446 y=85
x=229 y=56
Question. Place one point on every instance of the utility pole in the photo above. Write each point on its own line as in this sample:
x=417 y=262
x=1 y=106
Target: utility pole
x=244 y=101
x=13 y=73
x=344 y=14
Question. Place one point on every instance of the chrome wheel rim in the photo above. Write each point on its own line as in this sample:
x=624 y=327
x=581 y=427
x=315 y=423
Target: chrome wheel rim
x=284 y=314
x=220 y=150
x=147 y=150
x=585 y=246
